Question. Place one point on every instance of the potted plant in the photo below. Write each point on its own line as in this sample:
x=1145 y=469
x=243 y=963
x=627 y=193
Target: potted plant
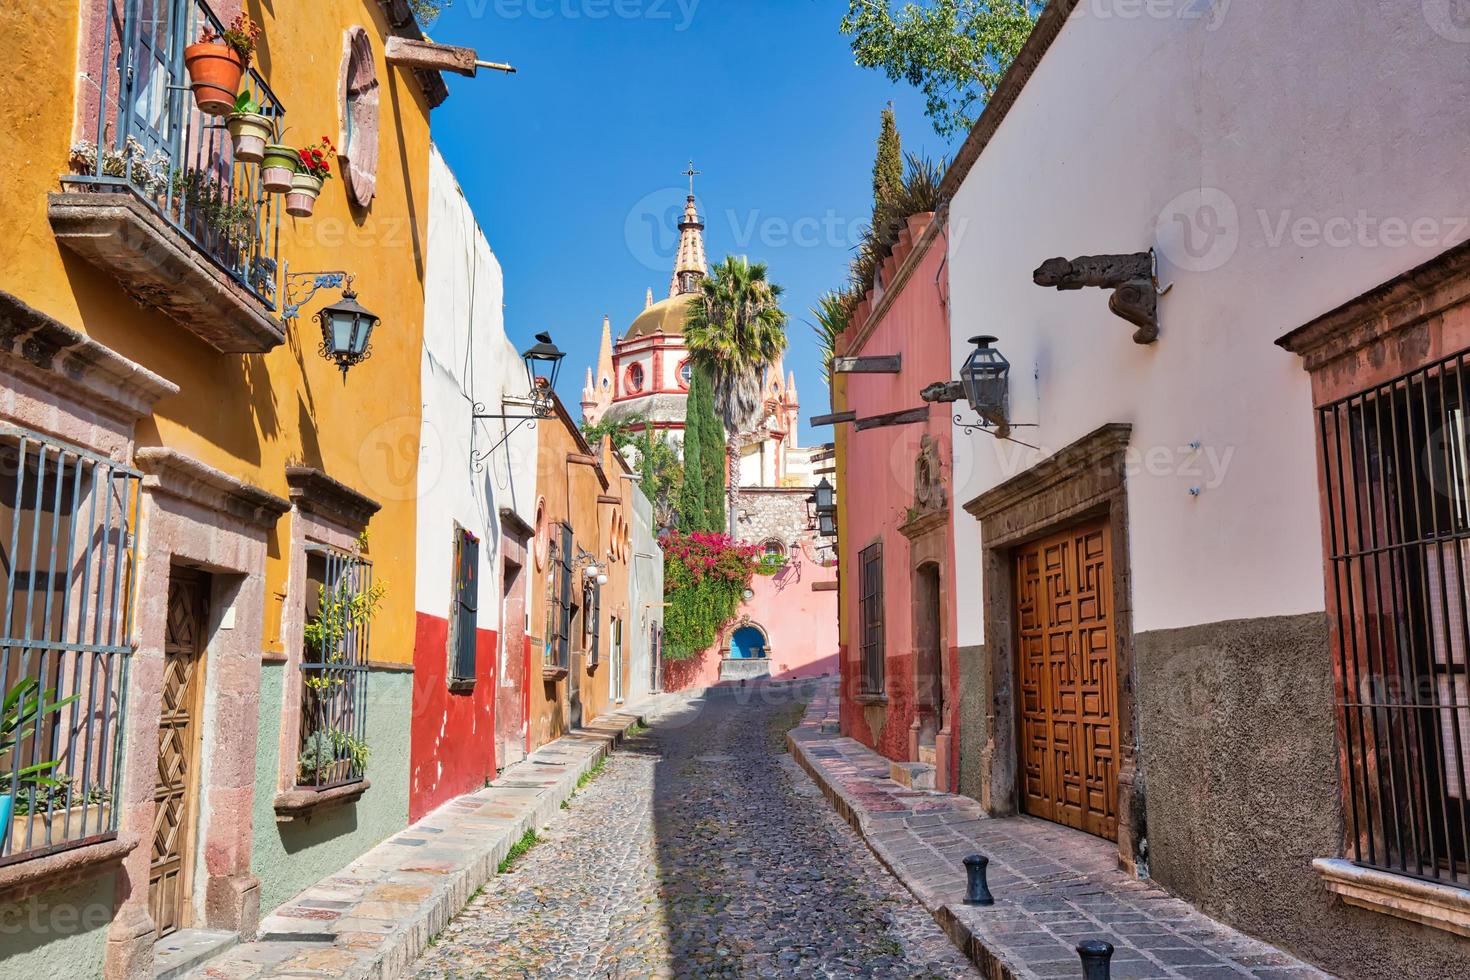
x=24 y=706
x=278 y=164
x=249 y=130
x=314 y=170
x=217 y=62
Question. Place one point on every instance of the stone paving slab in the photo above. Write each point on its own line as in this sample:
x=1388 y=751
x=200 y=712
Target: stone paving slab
x=1053 y=886
x=373 y=918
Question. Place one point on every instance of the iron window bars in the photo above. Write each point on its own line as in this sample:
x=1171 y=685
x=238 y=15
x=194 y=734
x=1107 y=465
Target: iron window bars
x=67 y=556
x=334 y=669
x=1396 y=461
x=464 y=625
x=870 y=589
x=558 y=642
x=148 y=136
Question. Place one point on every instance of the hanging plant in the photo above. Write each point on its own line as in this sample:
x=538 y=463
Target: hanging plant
x=249 y=130
x=217 y=62
x=313 y=170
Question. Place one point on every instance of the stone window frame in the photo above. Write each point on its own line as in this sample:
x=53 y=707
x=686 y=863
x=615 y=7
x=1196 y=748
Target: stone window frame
x=868 y=690
x=324 y=514
x=358 y=90
x=1409 y=322
x=1084 y=481
x=65 y=385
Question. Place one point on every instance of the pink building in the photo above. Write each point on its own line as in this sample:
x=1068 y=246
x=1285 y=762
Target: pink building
x=900 y=668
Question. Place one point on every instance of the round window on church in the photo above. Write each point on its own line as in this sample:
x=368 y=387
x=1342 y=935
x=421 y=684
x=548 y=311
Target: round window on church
x=635 y=378
x=686 y=374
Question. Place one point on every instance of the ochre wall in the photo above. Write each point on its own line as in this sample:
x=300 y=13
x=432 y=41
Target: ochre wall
x=568 y=492
x=251 y=415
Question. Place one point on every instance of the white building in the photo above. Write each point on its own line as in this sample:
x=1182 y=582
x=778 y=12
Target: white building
x=477 y=485
x=1149 y=586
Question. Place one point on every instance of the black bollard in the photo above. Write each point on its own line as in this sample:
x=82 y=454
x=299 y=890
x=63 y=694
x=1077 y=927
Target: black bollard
x=978 y=892
x=1096 y=959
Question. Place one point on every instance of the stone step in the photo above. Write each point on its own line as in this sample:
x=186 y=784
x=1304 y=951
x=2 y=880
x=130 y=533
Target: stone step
x=914 y=775
x=176 y=954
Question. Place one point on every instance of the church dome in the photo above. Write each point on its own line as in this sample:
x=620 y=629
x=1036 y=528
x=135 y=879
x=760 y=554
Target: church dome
x=666 y=316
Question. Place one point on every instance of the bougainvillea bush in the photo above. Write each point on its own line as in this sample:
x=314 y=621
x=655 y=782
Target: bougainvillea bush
x=704 y=576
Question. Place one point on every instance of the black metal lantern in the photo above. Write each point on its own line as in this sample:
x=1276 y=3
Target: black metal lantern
x=986 y=379
x=825 y=503
x=543 y=364
x=347 y=329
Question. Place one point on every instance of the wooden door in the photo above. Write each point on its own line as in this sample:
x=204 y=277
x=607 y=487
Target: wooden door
x=176 y=792
x=1067 y=680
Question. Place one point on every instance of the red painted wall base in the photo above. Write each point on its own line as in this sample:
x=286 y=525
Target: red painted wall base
x=453 y=732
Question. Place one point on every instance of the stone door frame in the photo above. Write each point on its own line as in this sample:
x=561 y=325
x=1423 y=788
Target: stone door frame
x=195 y=516
x=928 y=535
x=1084 y=481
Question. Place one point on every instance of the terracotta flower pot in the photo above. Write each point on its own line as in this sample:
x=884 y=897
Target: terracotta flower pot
x=250 y=132
x=277 y=166
x=301 y=199
x=215 y=71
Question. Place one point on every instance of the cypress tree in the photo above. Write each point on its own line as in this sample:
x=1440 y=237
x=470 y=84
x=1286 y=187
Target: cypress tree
x=691 y=492
x=888 y=167
x=712 y=460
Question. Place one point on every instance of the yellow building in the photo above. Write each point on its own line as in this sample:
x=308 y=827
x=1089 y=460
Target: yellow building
x=192 y=492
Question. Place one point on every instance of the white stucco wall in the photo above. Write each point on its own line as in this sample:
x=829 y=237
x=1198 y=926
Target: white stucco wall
x=645 y=599
x=467 y=358
x=1135 y=129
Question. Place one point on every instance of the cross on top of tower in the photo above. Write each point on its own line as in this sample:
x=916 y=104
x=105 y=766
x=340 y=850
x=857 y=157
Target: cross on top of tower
x=691 y=173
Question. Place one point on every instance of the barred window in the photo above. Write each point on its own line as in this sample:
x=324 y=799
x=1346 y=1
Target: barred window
x=341 y=601
x=870 y=590
x=67 y=561
x=464 y=615
x=592 y=620
x=1397 y=509
x=559 y=607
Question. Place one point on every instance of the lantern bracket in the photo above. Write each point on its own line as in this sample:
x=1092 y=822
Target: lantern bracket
x=1132 y=277
x=302 y=286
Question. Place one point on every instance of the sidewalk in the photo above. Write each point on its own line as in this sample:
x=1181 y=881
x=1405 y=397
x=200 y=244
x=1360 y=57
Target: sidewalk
x=1053 y=886
x=374 y=918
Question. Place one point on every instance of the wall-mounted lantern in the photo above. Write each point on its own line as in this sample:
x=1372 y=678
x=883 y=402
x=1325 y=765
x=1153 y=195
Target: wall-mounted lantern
x=543 y=364
x=347 y=326
x=985 y=376
x=347 y=329
x=985 y=381
x=822 y=507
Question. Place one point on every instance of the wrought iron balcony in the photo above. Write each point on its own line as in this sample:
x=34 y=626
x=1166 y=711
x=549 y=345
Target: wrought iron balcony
x=154 y=195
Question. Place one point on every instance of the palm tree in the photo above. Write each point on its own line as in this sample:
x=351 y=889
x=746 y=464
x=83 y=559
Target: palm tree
x=735 y=330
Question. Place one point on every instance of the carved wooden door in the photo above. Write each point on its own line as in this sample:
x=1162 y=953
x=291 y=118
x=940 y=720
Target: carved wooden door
x=1066 y=680
x=175 y=794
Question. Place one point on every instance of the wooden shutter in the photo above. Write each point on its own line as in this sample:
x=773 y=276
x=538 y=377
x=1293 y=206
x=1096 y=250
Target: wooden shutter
x=564 y=597
x=466 y=602
x=870 y=588
x=596 y=612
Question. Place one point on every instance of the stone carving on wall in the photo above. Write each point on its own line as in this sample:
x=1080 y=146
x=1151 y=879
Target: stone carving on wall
x=928 y=478
x=1131 y=277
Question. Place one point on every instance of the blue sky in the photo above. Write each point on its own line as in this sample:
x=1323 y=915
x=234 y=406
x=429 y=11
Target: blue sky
x=573 y=165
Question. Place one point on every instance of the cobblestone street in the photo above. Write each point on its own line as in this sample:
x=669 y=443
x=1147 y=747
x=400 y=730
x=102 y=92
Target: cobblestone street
x=701 y=850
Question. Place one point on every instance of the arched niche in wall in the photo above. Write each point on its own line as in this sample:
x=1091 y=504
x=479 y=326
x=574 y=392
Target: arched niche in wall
x=358 y=106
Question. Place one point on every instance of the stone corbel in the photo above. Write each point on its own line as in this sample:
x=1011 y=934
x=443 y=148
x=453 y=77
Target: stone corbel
x=1131 y=277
